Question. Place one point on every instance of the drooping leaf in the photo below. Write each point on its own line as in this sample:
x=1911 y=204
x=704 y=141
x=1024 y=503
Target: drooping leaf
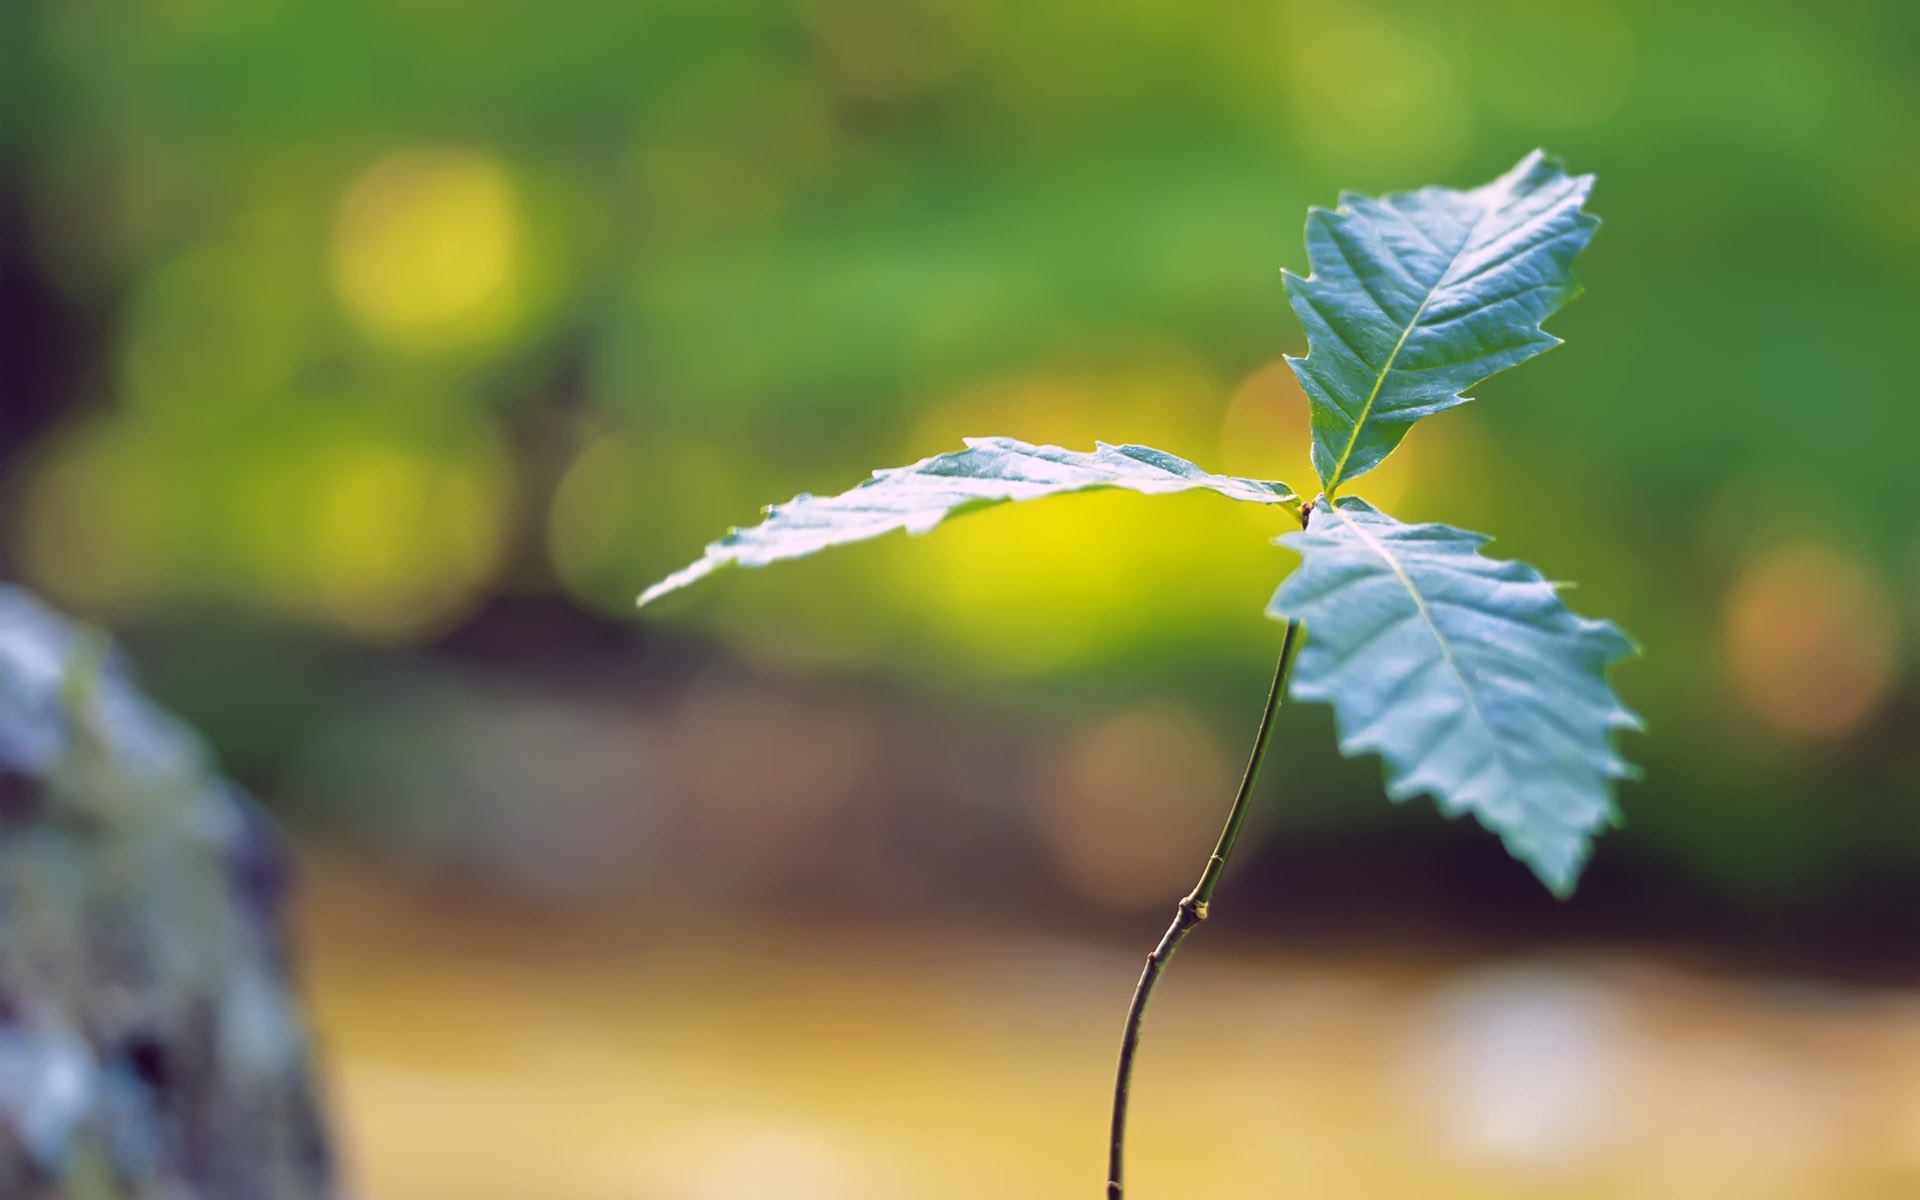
x=1416 y=296
x=1468 y=675
x=918 y=497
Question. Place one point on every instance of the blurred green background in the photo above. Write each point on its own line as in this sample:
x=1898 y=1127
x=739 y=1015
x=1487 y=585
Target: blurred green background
x=364 y=358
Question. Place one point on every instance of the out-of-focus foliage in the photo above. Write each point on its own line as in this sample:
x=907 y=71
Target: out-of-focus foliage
x=150 y=1042
x=404 y=305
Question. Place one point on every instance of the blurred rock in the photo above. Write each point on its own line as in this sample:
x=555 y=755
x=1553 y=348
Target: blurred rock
x=1525 y=1065
x=151 y=1044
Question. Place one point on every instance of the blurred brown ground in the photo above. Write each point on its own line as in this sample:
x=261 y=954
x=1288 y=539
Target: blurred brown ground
x=481 y=1054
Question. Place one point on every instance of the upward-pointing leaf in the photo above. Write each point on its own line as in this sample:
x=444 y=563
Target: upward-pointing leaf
x=918 y=497
x=1417 y=296
x=1467 y=675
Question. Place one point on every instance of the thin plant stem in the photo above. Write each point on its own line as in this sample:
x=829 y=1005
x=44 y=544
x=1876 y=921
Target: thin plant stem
x=1191 y=911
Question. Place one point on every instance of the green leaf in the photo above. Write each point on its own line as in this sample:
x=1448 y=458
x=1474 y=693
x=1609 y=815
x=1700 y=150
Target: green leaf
x=916 y=498
x=1417 y=296
x=1467 y=675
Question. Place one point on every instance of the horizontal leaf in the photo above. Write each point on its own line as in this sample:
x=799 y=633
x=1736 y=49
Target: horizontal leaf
x=1468 y=675
x=918 y=497
x=1417 y=296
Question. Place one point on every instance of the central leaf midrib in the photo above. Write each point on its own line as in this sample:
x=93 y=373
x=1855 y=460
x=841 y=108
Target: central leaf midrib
x=1413 y=322
x=1433 y=627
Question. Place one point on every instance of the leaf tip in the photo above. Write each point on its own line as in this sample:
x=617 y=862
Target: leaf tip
x=693 y=572
x=1558 y=869
x=1563 y=888
x=652 y=593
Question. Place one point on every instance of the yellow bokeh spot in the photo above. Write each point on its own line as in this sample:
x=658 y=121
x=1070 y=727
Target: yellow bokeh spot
x=427 y=246
x=402 y=543
x=1265 y=434
x=1033 y=588
x=392 y=539
x=1030 y=589
x=1810 y=637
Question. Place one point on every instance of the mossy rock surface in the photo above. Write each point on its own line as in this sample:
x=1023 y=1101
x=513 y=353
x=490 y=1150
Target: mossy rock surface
x=151 y=1040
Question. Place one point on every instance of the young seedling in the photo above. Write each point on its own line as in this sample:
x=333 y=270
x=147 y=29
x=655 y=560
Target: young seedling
x=1466 y=675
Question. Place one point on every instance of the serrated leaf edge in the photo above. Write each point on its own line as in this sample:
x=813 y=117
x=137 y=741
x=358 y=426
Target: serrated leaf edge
x=1534 y=158
x=1401 y=790
x=1181 y=476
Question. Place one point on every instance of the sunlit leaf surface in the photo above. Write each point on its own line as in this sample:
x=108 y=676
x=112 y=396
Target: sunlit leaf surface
x=1467 y=675
x=918 y=497
x=1417 y=296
